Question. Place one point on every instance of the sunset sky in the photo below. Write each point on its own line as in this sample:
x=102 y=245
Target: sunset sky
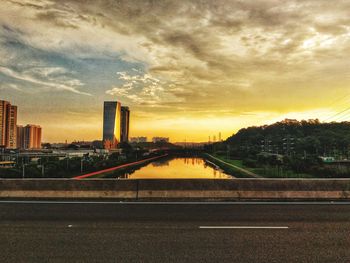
x=186 y=69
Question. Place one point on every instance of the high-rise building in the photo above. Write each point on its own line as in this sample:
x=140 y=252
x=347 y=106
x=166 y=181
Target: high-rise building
x=32 y=137
x=125 y=121
x=111 y=124
x=3 y=122
x=11 y=129
x=13 y=136
x=38 y=137
x=8 y=124
x=20 y=136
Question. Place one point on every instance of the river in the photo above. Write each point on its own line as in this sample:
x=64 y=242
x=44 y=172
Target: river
x=177 y=168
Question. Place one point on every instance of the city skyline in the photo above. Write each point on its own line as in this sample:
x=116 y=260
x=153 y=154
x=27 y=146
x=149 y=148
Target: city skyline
x=13 y=135
x=187 y=69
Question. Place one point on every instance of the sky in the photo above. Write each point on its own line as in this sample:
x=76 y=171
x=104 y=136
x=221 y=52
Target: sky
x=186 y=69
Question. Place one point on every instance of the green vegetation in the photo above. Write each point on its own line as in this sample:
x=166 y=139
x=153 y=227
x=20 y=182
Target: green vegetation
x=238 y=172
x=60 y=168
x=70 y=167
x=266 y=170
x=290 y=149
x=66 y=168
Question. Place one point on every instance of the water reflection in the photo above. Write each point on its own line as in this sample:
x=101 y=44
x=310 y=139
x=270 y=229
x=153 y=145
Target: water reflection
x=159 y=163
x=178 y=168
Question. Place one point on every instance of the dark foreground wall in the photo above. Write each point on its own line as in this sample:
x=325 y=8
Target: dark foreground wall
x=236 y=189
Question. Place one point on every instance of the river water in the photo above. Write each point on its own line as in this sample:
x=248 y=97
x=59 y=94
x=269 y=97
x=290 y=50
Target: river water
x=178 y=168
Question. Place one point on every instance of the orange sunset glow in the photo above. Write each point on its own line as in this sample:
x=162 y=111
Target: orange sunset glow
x=186 y=69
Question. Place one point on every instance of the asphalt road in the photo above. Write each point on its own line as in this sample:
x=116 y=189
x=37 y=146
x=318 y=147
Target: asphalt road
x=114 y=232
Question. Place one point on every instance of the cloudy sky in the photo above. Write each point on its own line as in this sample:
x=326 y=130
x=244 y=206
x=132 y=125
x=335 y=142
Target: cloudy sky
x=187 y=69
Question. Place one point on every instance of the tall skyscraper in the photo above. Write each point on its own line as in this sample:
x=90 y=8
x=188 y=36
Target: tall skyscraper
x=3 y=122
x=111 y=124
x=8 y=124
x=11 y=129
x=125 y=121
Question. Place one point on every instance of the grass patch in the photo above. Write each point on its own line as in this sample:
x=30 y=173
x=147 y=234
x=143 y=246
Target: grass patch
x=266 y=171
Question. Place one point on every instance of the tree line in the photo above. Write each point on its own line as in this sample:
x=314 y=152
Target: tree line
x=293 y=145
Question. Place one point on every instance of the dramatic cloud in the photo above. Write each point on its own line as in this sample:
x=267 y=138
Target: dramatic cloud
x=52 y=82
x=193 y=59
x=144 y=89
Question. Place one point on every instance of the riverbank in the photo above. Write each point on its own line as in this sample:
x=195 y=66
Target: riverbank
x=232 y=167
x=124 y=166
x=260 y=172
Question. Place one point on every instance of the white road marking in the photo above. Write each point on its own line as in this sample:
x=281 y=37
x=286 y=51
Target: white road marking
x=243 y=227
x=175 y=203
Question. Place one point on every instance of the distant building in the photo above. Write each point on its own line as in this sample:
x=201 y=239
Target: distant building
x=29 y=137
x=160 y=139
x=8 y=125
x=32 y=136
x=138 y=139
x=116 y=123
x=11 y=130
x=20 y=136
x=111 y=124
x=125 y=122
x=3 y=122
x=327 y=159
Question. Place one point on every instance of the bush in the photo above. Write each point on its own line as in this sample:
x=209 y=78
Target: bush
x=10 y=173
x=250 y=163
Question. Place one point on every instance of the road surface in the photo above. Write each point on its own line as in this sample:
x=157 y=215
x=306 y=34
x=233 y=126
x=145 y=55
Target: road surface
x=174 y=232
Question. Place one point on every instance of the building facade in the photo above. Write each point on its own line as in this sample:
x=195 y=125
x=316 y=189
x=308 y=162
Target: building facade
x=3 y=122
x=111 y=124
x=8 y=125
x=20 y=136
x=125 y=122
x=11 y=130
x=16 y=136
x=32 y=137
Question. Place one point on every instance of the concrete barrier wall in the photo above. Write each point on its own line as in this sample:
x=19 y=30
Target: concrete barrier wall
x=151 y=189
x=67 y=188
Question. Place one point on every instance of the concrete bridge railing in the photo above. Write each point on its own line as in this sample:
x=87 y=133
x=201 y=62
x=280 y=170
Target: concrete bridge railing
x=162 y=189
